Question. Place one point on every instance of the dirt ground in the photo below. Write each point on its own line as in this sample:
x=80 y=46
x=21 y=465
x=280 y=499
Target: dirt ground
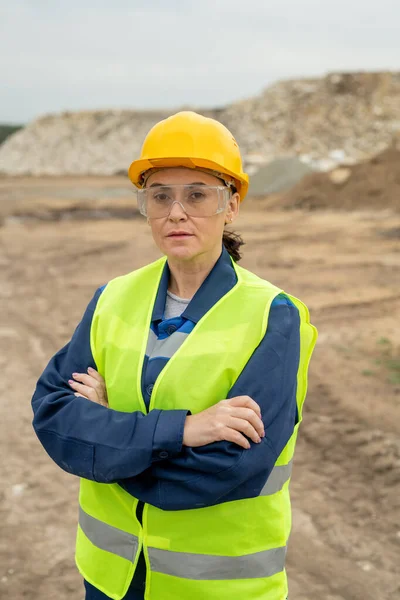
x=62 y=238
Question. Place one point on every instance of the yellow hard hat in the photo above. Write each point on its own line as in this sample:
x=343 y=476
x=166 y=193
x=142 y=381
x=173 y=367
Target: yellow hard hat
x=188 y=139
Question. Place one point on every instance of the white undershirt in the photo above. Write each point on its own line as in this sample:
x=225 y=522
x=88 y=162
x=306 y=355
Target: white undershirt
x=174 y=305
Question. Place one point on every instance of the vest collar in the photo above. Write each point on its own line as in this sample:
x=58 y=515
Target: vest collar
x=218 y=282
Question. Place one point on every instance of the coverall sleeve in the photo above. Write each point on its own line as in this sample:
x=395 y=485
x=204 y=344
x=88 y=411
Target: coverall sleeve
x=223 y=471
x=90 y=440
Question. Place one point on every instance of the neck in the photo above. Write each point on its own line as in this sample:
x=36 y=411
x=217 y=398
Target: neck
x=187 y=276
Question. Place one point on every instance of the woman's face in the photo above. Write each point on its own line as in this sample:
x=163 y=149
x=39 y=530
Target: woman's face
x=204 y=234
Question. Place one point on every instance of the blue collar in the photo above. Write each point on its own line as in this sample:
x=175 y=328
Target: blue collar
x=218 y=282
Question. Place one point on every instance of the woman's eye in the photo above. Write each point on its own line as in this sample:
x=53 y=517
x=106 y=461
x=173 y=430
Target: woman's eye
x=161 y=197
x=196 y=196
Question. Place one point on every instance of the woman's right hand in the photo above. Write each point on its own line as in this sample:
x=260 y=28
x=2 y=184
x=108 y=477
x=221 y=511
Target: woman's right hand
x=228 y=420
x=90 y=385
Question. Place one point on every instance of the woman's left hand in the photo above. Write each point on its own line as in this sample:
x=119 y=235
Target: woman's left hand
x=90 y=385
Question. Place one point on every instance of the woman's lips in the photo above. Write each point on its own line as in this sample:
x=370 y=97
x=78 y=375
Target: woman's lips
x=179 y=235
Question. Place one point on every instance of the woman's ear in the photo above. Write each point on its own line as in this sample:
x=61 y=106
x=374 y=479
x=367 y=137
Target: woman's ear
x=233 y=207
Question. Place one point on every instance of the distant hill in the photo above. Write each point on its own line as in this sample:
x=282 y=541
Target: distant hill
x=6 y=130
x=341 y=118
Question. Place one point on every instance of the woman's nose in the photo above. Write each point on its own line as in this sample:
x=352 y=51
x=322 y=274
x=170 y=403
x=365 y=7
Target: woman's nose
x=177 y=212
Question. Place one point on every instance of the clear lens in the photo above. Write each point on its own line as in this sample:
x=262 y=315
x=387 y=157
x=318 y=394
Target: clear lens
x=196 y=200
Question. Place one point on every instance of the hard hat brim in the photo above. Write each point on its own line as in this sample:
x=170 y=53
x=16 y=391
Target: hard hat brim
x=142 y=165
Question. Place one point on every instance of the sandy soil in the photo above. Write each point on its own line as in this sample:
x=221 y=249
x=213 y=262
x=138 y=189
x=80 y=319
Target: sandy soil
x=345 y=543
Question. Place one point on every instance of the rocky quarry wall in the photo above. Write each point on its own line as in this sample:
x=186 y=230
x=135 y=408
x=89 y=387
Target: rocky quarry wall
x=338 y=119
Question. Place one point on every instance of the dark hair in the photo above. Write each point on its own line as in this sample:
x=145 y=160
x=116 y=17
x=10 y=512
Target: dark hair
x=232 y=242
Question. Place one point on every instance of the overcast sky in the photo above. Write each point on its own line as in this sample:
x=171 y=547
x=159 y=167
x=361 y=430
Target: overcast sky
x=89 y=54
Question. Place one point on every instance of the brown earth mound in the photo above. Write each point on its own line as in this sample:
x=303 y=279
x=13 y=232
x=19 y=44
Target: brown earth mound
x=371 y=184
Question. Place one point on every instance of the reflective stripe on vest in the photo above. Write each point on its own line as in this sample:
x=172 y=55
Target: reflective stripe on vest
x=183 y=564
x=214 y=568
x=119 y=542
x=278 y=477
x=109 y=538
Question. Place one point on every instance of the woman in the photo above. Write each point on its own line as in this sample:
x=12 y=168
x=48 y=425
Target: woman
x=178 y=399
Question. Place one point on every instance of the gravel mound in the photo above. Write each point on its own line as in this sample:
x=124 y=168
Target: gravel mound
x=277 y=176
x=338 y=119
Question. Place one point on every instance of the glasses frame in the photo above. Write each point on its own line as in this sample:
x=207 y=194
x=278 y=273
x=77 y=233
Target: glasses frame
x=224 y=191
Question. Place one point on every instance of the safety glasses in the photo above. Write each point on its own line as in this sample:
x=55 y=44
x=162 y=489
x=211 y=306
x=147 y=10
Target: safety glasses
x=195 y=199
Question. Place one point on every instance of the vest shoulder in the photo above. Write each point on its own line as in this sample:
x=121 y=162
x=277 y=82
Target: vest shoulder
x=137 y=282
x=126 y=279
x=251 y=279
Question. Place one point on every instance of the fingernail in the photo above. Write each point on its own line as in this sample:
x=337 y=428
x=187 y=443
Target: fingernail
x=263 y=434
x=259 y=440
x=74 y=374
x=90 y=369
x=71 y=381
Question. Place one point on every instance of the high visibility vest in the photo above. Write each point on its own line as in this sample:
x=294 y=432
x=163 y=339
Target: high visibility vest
x=234 y=550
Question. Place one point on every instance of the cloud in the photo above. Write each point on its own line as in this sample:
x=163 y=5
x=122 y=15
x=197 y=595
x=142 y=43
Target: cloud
x=128 y=53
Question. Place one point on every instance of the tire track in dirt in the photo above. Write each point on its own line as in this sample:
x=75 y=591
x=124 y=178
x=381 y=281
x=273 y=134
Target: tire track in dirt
x=345 y=472
x=368 y=307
